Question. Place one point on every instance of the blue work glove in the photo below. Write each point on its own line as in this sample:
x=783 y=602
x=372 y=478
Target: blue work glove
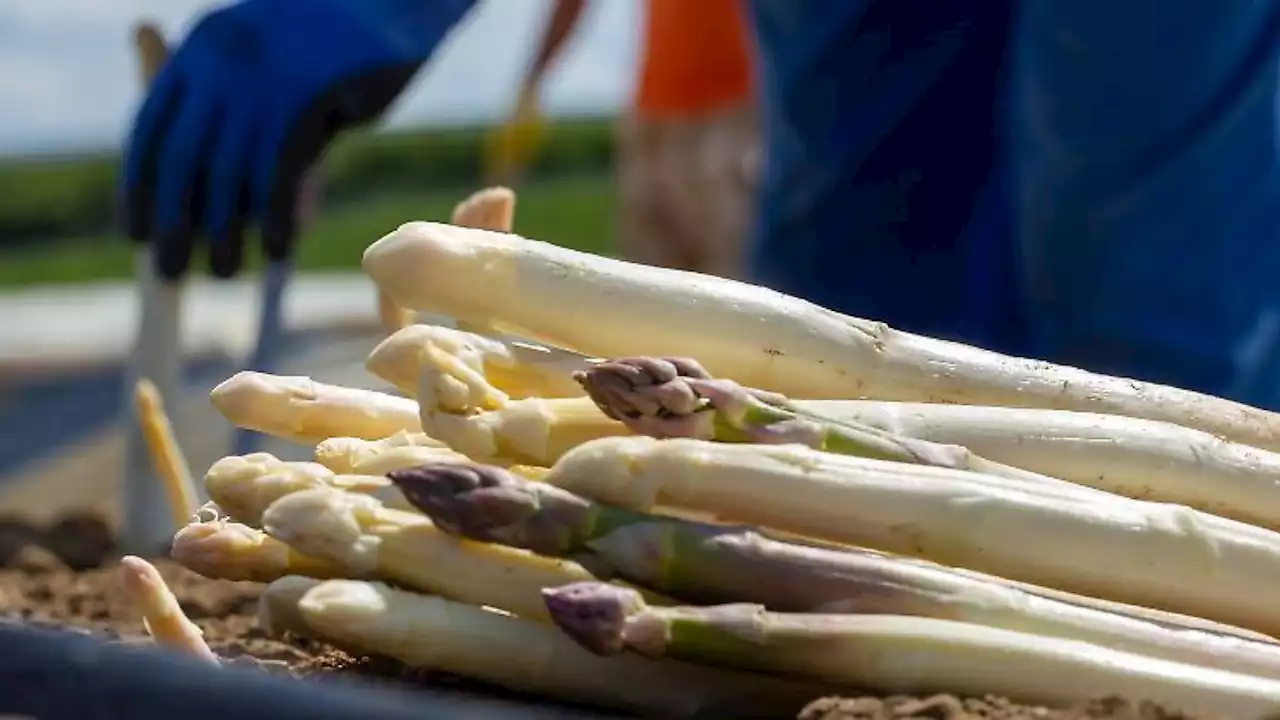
x=249 y=101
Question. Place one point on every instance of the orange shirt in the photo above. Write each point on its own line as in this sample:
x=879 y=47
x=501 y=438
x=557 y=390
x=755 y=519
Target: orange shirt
x=696 y=57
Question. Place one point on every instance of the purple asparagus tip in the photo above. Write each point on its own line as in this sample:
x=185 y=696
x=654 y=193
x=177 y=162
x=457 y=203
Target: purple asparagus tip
x=651 y=396
x=480 y=502
x=594 y=614
x=637 y=386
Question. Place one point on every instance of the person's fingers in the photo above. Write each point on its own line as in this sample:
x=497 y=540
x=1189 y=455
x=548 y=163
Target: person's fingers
x=276 y=173
x=292 y=143
x=142 y=153
x=180 y=180
x=227 y=205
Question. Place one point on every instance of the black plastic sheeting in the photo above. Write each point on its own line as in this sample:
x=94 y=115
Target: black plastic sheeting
x=56 y=675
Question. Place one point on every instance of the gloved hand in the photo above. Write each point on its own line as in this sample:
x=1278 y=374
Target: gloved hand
x=249 y=101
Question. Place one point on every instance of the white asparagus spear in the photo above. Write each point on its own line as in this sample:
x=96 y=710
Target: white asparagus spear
x=278 y=611
x=357 y=533
x=161 y=613
x=1137 y=458
x=894 y=653
x=157 y=354
x=470 y=372
x=431 y=632
x=711 y=564
x=221 y=549
x=760 y=338
x=1148 y=554
x=244 y=486
x=301 y=410
x=492 y=208
x=532 y=431
x=354 y=456
x=166 y=455
x=361 y=457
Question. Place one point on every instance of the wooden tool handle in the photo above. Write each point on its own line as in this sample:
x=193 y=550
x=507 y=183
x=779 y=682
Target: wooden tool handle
x=151 y=50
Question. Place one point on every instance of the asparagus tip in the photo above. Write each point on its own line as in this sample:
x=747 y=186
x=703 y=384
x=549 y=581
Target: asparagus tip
x=594 y=614
x=225 y=550
x=650 y=395
x=467 y=499
x=326 y=523
x=278 y=605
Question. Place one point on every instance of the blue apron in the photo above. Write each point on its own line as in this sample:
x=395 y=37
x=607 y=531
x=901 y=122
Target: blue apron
x=1134 y=234
x=1149 y=189
x=884 y=187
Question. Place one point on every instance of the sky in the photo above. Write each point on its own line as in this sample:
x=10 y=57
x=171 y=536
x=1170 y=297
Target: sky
x=68 y=78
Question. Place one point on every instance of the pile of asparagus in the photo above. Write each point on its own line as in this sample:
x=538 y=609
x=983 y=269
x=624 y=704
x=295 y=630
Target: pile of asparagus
x=683 y=495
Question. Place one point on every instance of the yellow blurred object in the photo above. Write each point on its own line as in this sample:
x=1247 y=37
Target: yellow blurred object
x=166 y=454
x=511 y=148
x=151 y=49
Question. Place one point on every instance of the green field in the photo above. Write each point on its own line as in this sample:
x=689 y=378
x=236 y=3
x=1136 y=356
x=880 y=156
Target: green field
x=56 y=214
x=575 y=212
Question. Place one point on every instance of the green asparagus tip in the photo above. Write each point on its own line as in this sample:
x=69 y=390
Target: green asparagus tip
x=467 y=499
x=594 y=614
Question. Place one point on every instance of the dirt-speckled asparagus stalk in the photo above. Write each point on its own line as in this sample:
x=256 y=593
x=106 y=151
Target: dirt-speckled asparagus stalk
x=532 y=431
x=1137 y=458
x=895 y=653
x=711 y=564
x=244 y=485
x=278 y=611
x=347 y=455
x=606 y=307
x=301 y=410
x=464 y=372
x=1141 y=553
x=224 y=550
x=677 y=397
x=434 y=633
x=356 y=533
x=161 y=612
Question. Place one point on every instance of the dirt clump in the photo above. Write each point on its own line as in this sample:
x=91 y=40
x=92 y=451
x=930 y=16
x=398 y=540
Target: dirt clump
x=949 y=707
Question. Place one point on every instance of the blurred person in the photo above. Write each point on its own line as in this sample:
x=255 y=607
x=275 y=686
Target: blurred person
x=688 y=144
x=1133 y=235
x=1089 y=183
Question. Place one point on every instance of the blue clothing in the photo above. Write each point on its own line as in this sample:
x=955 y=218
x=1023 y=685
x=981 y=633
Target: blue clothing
x=1135 y=233
x=883 y=189
x=63 y=675
x=1149 y=188
x=246 y=104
